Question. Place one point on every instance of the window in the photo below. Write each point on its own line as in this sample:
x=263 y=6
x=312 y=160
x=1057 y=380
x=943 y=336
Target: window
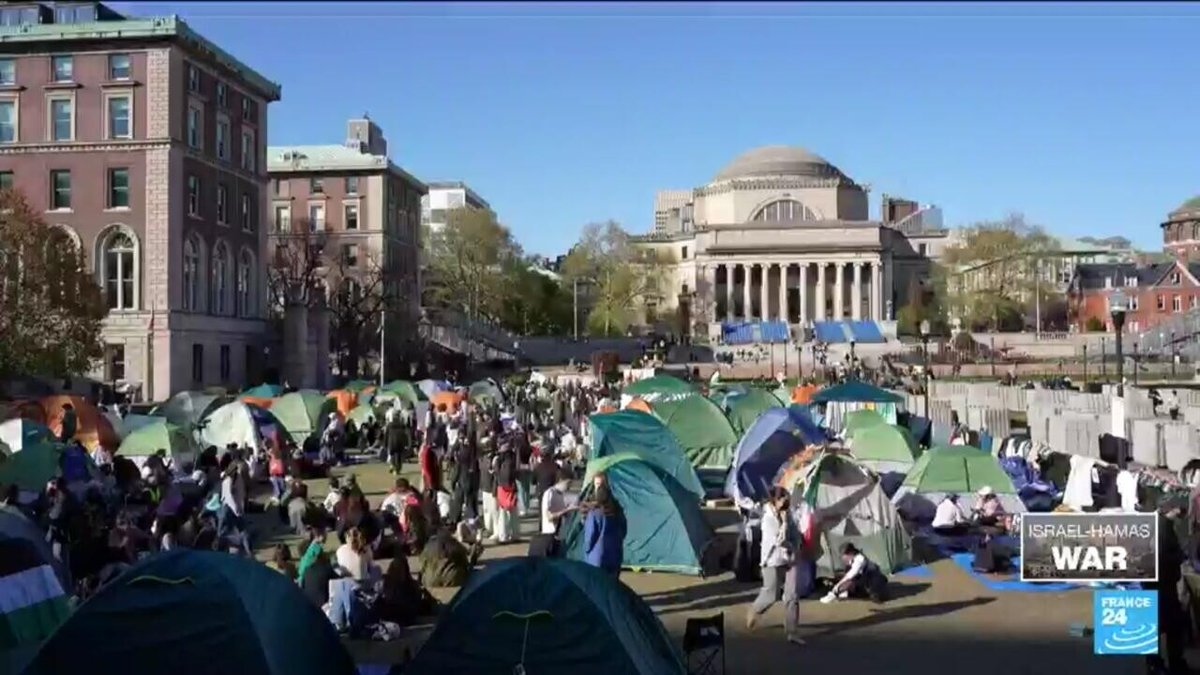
x=247 y=219
x=191 y=275
x=118 y=188
x=683 y=253
x=437 y=216
x=222 y=203
x=120 y=117
x=352 y=185
x=8 y=121
x=316 y=217
x=316 y=186
x=119 y=67
x=220 y=279
x=1162 y=302
x=1131 y=282
x=784 y=210
x=1177 y=304
x=60 y=190
x=350 y=255
x=8 y=72
x=352 y=216
x=114 y=362
x=922 y=249
x=1193 y=303
x=249 y=150
x=118 y=271
x=276 y=187
x=193 y=78
x=197 y=363
x=193 y=198
x=244 y=275
x=224 y=363
x=62 y=119
x=223 y=139
x=6 y=180
x=193 y=127
x=1175 y=277
x=283 y=219
x=62 y=68
x=246 y=109
x=222 y=95
x=1108 y=282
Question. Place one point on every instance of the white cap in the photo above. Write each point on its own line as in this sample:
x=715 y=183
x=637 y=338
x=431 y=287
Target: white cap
x=986 y=491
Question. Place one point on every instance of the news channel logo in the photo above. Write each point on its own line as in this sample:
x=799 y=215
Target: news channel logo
x=1089 y=547
x=1126 y=623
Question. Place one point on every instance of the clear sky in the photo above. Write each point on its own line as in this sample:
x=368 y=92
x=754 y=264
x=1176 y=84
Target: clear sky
x=1084 y=118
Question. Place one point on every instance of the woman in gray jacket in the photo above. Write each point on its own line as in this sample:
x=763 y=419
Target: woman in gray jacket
x=781 y=550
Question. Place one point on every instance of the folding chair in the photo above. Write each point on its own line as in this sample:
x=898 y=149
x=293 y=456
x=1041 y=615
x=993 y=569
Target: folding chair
x=703 y=642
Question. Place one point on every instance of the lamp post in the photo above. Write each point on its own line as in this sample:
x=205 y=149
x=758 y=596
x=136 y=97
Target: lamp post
x=1103 y=359
x=1085 y=367
x=853 y=360
x=992 y=354
x=1117 y=312
x=924 y=328
x=1174 y=354
x=1135 y=363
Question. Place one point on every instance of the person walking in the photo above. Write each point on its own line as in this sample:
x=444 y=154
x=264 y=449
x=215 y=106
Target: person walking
x=604 y=528
x=780 y=568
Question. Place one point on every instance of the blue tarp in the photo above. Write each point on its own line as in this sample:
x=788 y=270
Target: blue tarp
x=866 y=332
x=766 y=446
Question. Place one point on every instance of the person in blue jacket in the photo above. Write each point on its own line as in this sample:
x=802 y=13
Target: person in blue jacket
x=604 y=528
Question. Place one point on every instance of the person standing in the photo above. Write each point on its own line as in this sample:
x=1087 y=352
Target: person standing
x=780 y=571
x=505 y=463
x=396 y=441
x=604 y=528
x=70 y=423
x=487 y=485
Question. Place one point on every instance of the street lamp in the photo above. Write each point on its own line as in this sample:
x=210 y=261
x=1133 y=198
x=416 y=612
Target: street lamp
x=1116 y=308
x=924 y=328
x=853 y=359
x=1103 y=359
x=1174 y=354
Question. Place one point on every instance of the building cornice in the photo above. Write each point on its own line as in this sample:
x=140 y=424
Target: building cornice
x=83 y=146
x=774 y=183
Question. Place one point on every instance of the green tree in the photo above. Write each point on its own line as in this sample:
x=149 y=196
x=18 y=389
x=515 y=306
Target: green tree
x=537 y=303
x=927 y=299
x=621 y=277
x=51 y=309
x=995 y=268
x=469 y=259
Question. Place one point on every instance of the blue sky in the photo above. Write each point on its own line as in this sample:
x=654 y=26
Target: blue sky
x=1084 y=118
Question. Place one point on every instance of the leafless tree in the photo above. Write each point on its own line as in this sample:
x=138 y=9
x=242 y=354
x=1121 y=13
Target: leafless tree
x=363 y=290
x=296 y=271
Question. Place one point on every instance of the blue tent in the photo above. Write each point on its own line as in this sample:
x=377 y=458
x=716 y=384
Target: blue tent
x=643 y=435
x=547 y=615
x=189 y=612
x=768 y=443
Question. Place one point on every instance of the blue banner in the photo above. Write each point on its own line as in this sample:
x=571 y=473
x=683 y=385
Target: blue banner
x=1126 y=622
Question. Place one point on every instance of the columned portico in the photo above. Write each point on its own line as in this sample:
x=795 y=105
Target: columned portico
x=856 y=290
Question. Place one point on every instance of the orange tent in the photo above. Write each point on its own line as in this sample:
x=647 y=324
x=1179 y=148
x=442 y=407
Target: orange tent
x=451 y=399
x=92 y=428
x=804 y=395
x=346 y=400
x=264 y=403
x=639 y=405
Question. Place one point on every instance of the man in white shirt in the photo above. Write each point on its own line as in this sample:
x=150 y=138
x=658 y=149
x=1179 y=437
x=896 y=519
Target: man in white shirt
x=949 y=520
x=555 y=503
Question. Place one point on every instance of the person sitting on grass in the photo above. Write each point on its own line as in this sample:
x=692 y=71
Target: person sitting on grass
x=281 y=561
x=403 y=600
x=445 y=561
x=863 y=579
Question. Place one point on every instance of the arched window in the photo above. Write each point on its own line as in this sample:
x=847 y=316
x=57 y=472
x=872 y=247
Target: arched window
x=245 y=275
x=783 y=210
x=191 y=275
x=62 y=262
x=119 y=270
x=220 y=279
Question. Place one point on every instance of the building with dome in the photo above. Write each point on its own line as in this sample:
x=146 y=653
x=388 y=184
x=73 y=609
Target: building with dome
x=780 y=234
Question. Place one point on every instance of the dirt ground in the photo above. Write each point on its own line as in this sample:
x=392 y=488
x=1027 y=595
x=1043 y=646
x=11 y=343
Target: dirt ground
x=947 y=620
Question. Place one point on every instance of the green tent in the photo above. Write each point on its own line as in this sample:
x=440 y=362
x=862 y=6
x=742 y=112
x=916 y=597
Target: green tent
x=19 y=432
x=407 y=391
x=486 y=389
x=657 y=386
x=954 y=469
x=362 y=414
x=666 y=530
x=243 y=424
x=358 y=386
x=32 y=467
x=636 y=433
x=856 y=391
x=546 y=615
x=303 y=413
x=176 y=440
x=189 y=408
x=263 y=391
x=884 y=448
x=858 y=420
x=701 y=428
x=744 y=409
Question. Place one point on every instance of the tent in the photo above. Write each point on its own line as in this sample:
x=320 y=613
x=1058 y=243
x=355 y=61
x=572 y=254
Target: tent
x=450 y=399
x=244 y=424
x=32 y=585
x=546 y=615
x=953 y=469
x=362 y=414
x=766 y=446
x=658 y=385
x=405 y=390
x=851 y=506
x=132 y=422
x=666 y=531
x=884 y=448
x=345 y=399
x=803 y=394
x=32 y=467
x=853 y=395
x=486 y=389
x=431 y=387
x=92 y=428
x=744 y=408
x=190 y=612
x=646 y=437
x=18 y=433
x=303 y=413
x=16 y=525
x=858 y=420
x=189 y=408
x=181 y=447
x=701 y=428
x=359 y=386
x=263 y=391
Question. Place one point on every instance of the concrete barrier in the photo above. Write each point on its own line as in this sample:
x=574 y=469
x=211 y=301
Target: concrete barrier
x=1145 y=436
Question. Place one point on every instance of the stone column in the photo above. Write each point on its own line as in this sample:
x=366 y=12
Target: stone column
x=856 y=292
x=877 y=290
x=747 y=270
x=783 y=293
x=764 y=292
x=728 y=292
x=839 y=290
x=804 y=316
x=820 y=298
x=709 y=274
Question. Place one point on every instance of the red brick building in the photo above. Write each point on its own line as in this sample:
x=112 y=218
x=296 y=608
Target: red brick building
x=1152 y=293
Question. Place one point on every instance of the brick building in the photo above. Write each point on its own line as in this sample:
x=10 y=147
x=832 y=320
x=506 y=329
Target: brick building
x=370 y=211
x=1152 y=293
x=1181 y=231
x=143 y=143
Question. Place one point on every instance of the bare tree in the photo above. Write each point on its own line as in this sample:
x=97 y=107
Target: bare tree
x=296 y=270
x=363 y=290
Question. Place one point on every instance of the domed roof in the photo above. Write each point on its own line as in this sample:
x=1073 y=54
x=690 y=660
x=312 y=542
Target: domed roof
x=777 y=160
x=1192 y=204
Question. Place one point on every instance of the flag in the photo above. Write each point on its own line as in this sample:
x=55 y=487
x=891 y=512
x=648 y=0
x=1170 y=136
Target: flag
x=32 y=601
x=806 y=509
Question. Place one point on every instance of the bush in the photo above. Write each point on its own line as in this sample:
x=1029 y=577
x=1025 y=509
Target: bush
x=1094 y=325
